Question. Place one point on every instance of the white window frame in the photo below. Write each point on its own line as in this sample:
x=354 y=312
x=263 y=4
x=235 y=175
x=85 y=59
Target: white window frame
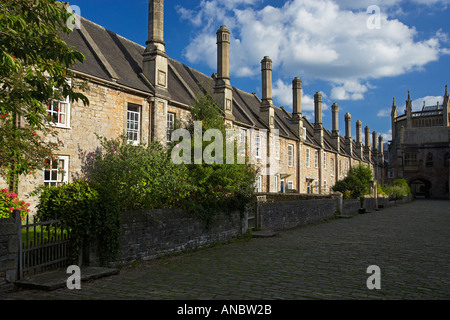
x=170 y=125
x=242 y=142
x=332 y=166
x=391 y=174
x=324 y=160
x=290 y=185
x=258 y=146
x=325 y=186
x=258 y=187
x=54 y=111
x=316 y=186
x=135 y=121
x=57 y=175
x=308 y=158
x=290 y=155
x=275 y=183
x=316 y=158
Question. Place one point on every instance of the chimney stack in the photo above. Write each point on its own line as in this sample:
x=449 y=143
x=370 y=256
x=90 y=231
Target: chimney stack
x=374 y=143
x=335 y=124
x=155 y=68
x=348 y=133
x=318 y=127
x=367 y=151
x=222 y=88
x=359 y=145
x=267 y=112
x=297 y=118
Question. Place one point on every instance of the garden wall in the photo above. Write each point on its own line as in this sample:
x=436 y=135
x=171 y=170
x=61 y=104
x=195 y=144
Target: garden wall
x=9 y=247
x=277 y=212
x=152 y=233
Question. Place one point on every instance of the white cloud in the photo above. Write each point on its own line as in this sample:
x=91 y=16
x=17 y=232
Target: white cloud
x=417 y=104
x=387 y=136
x=313 y=40
x=384 y=113
x=282 y=92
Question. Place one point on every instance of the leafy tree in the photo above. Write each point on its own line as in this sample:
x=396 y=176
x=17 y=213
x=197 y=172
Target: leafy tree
x=356 y=183
x=34 y=62
x=218 y=187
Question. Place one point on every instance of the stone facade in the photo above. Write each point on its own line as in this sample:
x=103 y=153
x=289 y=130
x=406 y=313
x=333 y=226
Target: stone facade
x=9 y=247
x=420 y=149
x=133 y=85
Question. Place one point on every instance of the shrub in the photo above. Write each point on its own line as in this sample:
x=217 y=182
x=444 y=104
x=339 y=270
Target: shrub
x=356 y=183
x=217 y=187
x=91 y=217
x=397 y=190
x=138 y=177
x=10 y=202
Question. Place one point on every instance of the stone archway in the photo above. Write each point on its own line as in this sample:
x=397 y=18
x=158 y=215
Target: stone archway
x=420 y=188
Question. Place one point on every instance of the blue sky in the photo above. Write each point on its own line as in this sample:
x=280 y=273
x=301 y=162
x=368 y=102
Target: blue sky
x=356 y=58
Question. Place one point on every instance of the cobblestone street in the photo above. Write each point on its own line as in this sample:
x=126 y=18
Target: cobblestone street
x=410 y=244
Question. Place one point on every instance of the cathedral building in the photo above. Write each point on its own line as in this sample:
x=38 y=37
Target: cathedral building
x=420 y=148
x=141 y=91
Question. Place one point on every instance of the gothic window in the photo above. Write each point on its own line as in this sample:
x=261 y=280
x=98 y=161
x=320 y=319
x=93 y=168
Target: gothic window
x=429 y=160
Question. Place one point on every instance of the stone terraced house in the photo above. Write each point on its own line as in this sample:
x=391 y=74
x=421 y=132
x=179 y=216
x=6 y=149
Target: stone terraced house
x=142 y=91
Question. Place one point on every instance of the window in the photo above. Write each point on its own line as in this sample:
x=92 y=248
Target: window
x=290 y=155
x=56 y=171
x=308 y=156
x=391 y=174
x=133 y=123
x=316 y=159
x=59 y=112
x=170 y=125
x=332 y=166
x=290 y=185
x=346 y=167
x=316 y=186
x=429 y=160
x=325 y=186
x=304 y=133
x=258 y=184
x=275 y=183
x=410 y=159
x=242 y=142
x=258 y=146
x=325 y=160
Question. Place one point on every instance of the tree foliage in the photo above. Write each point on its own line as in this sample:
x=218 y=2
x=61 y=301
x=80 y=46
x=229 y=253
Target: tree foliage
x=34 y=63
x=356 y=183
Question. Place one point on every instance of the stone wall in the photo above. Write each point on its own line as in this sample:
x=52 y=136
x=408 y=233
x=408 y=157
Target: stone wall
x=350 y=207
x=9 y=246
x=295 y=212
x=149 y=234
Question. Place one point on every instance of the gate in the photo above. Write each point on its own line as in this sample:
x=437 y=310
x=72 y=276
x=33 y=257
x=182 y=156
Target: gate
x=43 y=246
